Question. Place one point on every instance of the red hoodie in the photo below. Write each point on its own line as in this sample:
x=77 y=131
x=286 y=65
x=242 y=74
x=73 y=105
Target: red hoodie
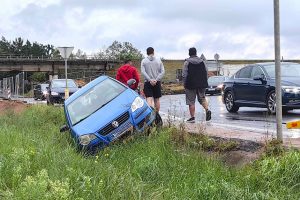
x=127 y=72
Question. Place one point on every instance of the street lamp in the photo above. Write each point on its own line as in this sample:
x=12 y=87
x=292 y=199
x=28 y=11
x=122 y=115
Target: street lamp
x=65 y=52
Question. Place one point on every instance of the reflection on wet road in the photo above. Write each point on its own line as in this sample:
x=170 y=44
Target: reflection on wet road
x=252 y=119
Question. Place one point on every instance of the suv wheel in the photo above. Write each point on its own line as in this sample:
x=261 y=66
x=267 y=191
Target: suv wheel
x=229 y=102
x=271 y=102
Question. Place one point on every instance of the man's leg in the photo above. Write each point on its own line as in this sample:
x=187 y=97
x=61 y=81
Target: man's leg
x=150 y=101
x=202 y=100
x=157 y=104
x=190 y=96
x=192 y=110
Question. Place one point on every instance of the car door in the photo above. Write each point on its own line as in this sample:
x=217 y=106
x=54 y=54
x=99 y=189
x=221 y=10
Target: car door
x=241 y=84
x=257 y=88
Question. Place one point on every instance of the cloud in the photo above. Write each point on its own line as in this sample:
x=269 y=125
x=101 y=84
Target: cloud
x=234 y=29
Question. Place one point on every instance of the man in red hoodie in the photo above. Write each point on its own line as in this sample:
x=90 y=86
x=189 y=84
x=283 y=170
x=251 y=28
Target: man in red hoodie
x=126 y=72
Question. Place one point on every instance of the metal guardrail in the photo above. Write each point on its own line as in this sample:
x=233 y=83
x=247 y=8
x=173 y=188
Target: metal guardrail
x=12 y=87
x=22 y=57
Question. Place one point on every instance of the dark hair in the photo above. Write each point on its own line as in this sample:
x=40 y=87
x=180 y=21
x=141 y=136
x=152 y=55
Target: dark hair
x=150 y=50
x=127 y=61
x=192 y=51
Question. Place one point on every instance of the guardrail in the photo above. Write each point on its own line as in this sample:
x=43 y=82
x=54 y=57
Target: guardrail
x=22 y=57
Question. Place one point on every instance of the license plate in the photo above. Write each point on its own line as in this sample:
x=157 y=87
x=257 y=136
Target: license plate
x=211 y=89
x=117 y=135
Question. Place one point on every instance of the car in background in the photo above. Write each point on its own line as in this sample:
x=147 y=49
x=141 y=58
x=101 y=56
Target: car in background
x=215 y=84
x=40 y=91
x=104 y=110
x=254 y=86
x=56 y=90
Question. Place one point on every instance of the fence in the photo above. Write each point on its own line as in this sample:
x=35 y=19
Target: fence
x=12 y=87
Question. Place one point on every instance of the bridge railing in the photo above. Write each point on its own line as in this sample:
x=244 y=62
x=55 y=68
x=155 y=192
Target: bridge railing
x=22 y=57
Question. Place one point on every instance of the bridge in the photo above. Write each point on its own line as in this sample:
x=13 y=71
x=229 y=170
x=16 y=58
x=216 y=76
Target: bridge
x=54 y=65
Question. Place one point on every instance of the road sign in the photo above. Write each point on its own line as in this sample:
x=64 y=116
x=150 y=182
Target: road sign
x=291 y=125
x=217 y=57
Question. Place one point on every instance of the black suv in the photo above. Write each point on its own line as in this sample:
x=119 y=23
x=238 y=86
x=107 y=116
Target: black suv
x=56 y=90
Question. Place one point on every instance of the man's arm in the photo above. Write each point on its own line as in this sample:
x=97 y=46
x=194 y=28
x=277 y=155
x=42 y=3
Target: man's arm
x=162 y=72
x=184 y=71
x=143 y=71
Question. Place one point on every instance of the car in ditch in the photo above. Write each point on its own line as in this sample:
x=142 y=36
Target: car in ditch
x=254 y=86
x=104 y=110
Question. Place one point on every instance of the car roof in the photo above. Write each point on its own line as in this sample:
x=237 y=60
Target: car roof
x=273 y=63
x=85 y=89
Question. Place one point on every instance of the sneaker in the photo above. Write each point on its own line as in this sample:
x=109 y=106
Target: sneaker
x=208 y=115
x=191 y=120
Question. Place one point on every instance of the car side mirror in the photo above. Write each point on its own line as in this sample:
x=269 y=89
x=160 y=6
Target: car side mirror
x=64 y=128
x=130 y=82
x=259 y=77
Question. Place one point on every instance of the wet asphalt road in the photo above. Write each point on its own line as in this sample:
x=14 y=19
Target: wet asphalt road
x=250 y=119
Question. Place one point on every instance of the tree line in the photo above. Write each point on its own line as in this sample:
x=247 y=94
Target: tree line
x=19 y=47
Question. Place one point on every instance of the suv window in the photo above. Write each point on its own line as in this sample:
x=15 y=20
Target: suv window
x=245 y=72
x=256 y=71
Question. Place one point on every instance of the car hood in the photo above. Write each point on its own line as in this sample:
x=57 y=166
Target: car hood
x=105 y=115
x=290 y=81
x=62 y=90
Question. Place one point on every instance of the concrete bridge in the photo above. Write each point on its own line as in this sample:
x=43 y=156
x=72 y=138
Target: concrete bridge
x=53 y=65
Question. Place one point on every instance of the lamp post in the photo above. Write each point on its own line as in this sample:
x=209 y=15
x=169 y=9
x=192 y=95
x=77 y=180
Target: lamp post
x=65 y=52
x=277 y=70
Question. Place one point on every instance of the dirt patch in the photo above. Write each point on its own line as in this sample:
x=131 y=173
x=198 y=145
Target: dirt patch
x=12 y=106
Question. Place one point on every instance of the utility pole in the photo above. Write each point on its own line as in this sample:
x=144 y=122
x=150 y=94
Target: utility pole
x=277 y=70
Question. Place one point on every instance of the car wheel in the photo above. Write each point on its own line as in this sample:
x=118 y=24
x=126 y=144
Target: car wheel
x=271 y=102
x=229 y=102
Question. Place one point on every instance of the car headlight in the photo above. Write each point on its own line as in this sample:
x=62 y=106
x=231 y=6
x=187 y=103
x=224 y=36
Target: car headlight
x=220 y=86
x=86 y=139
x=291 y=89
x=54 y=93
x=137 y=103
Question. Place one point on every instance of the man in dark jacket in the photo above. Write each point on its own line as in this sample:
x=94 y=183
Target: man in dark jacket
x=194 y=75
x=126 y=72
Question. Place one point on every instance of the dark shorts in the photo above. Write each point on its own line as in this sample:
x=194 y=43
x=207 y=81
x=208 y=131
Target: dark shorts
x=152 y=91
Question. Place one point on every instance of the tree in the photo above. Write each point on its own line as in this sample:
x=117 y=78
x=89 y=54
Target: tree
x=121 y=51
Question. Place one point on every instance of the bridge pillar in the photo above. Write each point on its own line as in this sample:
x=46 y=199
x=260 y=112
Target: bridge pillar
x=52 y=77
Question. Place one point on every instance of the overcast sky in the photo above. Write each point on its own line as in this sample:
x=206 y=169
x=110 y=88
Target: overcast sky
x=235 y=29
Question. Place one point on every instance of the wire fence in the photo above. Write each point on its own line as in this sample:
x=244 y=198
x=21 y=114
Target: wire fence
x=12 y=87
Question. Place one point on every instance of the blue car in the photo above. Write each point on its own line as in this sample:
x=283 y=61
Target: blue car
x=104 y=110
x=254 y=86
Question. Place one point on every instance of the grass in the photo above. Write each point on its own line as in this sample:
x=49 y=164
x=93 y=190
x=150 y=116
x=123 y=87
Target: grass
x=38 y=162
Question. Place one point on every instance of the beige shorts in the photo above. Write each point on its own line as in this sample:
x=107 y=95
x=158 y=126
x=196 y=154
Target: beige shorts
x=190 y=96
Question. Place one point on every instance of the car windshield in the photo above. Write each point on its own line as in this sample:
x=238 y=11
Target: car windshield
x=287 y=70
x=62 y=83
x=44 y=86
x=216 y=79
x=94 y=99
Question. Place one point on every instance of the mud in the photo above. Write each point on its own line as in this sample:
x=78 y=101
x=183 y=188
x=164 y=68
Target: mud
x=12 y=106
